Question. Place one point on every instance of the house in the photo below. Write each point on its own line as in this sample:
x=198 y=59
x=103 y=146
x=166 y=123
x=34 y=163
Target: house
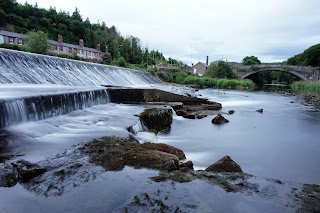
x=11 y=38
x=59 y=47
x=56 y=47
x=200 y=68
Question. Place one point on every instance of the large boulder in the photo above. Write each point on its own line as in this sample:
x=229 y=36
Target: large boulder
x=165 y=148
x=151 y=159
x=157 y=119
x=28 y=170
x=219 y=119
x=225 y=164
x=8 y=175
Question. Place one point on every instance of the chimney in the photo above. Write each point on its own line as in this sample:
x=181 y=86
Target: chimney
x=98 y=47
x=207 y=60
x=60 y=38
x=81 y=42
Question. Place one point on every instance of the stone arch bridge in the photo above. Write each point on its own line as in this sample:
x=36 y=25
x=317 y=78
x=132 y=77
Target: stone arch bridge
x=311 y=74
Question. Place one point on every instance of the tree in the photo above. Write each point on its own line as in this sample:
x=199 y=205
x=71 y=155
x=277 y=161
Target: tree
x=106 y=58
x=250 y=60
x=309 y=57
x=220 y=70
x=37 y=42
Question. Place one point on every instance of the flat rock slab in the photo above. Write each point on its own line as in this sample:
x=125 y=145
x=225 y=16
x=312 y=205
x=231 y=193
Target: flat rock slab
x=165 y=148
x=113 y=153
x=151 y=159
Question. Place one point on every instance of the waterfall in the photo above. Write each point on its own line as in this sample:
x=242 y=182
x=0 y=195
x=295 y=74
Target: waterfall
x=137 y=127
x=42 y=107
x=22 y=67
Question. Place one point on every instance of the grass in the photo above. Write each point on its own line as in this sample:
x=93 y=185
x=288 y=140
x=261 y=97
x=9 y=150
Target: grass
x=182 y=77
x=303 y=85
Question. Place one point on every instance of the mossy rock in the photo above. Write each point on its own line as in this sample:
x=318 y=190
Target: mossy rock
x=157 y=119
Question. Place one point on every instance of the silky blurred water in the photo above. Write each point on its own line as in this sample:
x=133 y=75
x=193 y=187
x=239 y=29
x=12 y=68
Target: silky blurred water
x=282 y=142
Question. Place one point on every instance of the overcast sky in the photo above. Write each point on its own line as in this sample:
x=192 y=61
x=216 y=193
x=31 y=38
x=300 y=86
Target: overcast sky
x=188 y=30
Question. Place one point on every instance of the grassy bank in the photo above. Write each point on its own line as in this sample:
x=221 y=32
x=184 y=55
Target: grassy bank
x=302 y=85
x=186 y=78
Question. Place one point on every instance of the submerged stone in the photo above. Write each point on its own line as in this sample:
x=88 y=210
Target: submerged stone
x=8 y=175
x=260 y=110
x=28 y=170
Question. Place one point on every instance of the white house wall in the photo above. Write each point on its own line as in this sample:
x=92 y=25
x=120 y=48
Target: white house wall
x=1 y=39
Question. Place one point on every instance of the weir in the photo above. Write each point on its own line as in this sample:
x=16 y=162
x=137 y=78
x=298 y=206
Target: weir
x=21 y=67
x=41 y=107
x=35 y=87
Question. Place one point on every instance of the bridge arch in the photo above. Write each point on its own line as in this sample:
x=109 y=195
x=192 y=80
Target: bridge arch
x=299 y=75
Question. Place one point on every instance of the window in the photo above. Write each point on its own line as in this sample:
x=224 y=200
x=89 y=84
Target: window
x=11 y=40
x=20 y=41
x=60 y=48
x=82 y=52
x=89 y=53
x=70 y=50
x=78 y=51
x=54 y=47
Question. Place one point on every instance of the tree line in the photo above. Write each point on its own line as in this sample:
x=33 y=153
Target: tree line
x=309 y=57
x=23 y=18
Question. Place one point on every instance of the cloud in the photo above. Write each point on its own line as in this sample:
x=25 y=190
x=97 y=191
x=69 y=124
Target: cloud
x=186 y=29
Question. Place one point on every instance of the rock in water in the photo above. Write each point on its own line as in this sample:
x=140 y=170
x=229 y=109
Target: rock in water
x=230 y=112
x=27 y=170
x=157 y=119
x=151 y=159
x=219 y=119
x=165 y=148
x=260 y=110
x=225 y=164
x=8 y=175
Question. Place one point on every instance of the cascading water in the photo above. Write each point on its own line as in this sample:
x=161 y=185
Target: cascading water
x=20 y=67
x=42 y=107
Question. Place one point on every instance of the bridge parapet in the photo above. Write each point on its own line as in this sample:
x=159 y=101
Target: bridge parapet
x=311 y=74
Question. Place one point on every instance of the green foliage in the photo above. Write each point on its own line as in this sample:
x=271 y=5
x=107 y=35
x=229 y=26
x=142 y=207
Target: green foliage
x=220 y=70
x=11 y=46
x=182 y=77
x=37 y=42
x=310 y=57
x=250 y=60
x=152 y=70
x=174 y=76
x=106 y=58
x=120 y=62
x=303 y=85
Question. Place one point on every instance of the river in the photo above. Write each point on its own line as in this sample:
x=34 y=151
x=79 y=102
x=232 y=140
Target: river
x=282 y=142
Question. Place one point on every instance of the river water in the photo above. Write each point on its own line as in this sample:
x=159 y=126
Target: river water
x=282 y=142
